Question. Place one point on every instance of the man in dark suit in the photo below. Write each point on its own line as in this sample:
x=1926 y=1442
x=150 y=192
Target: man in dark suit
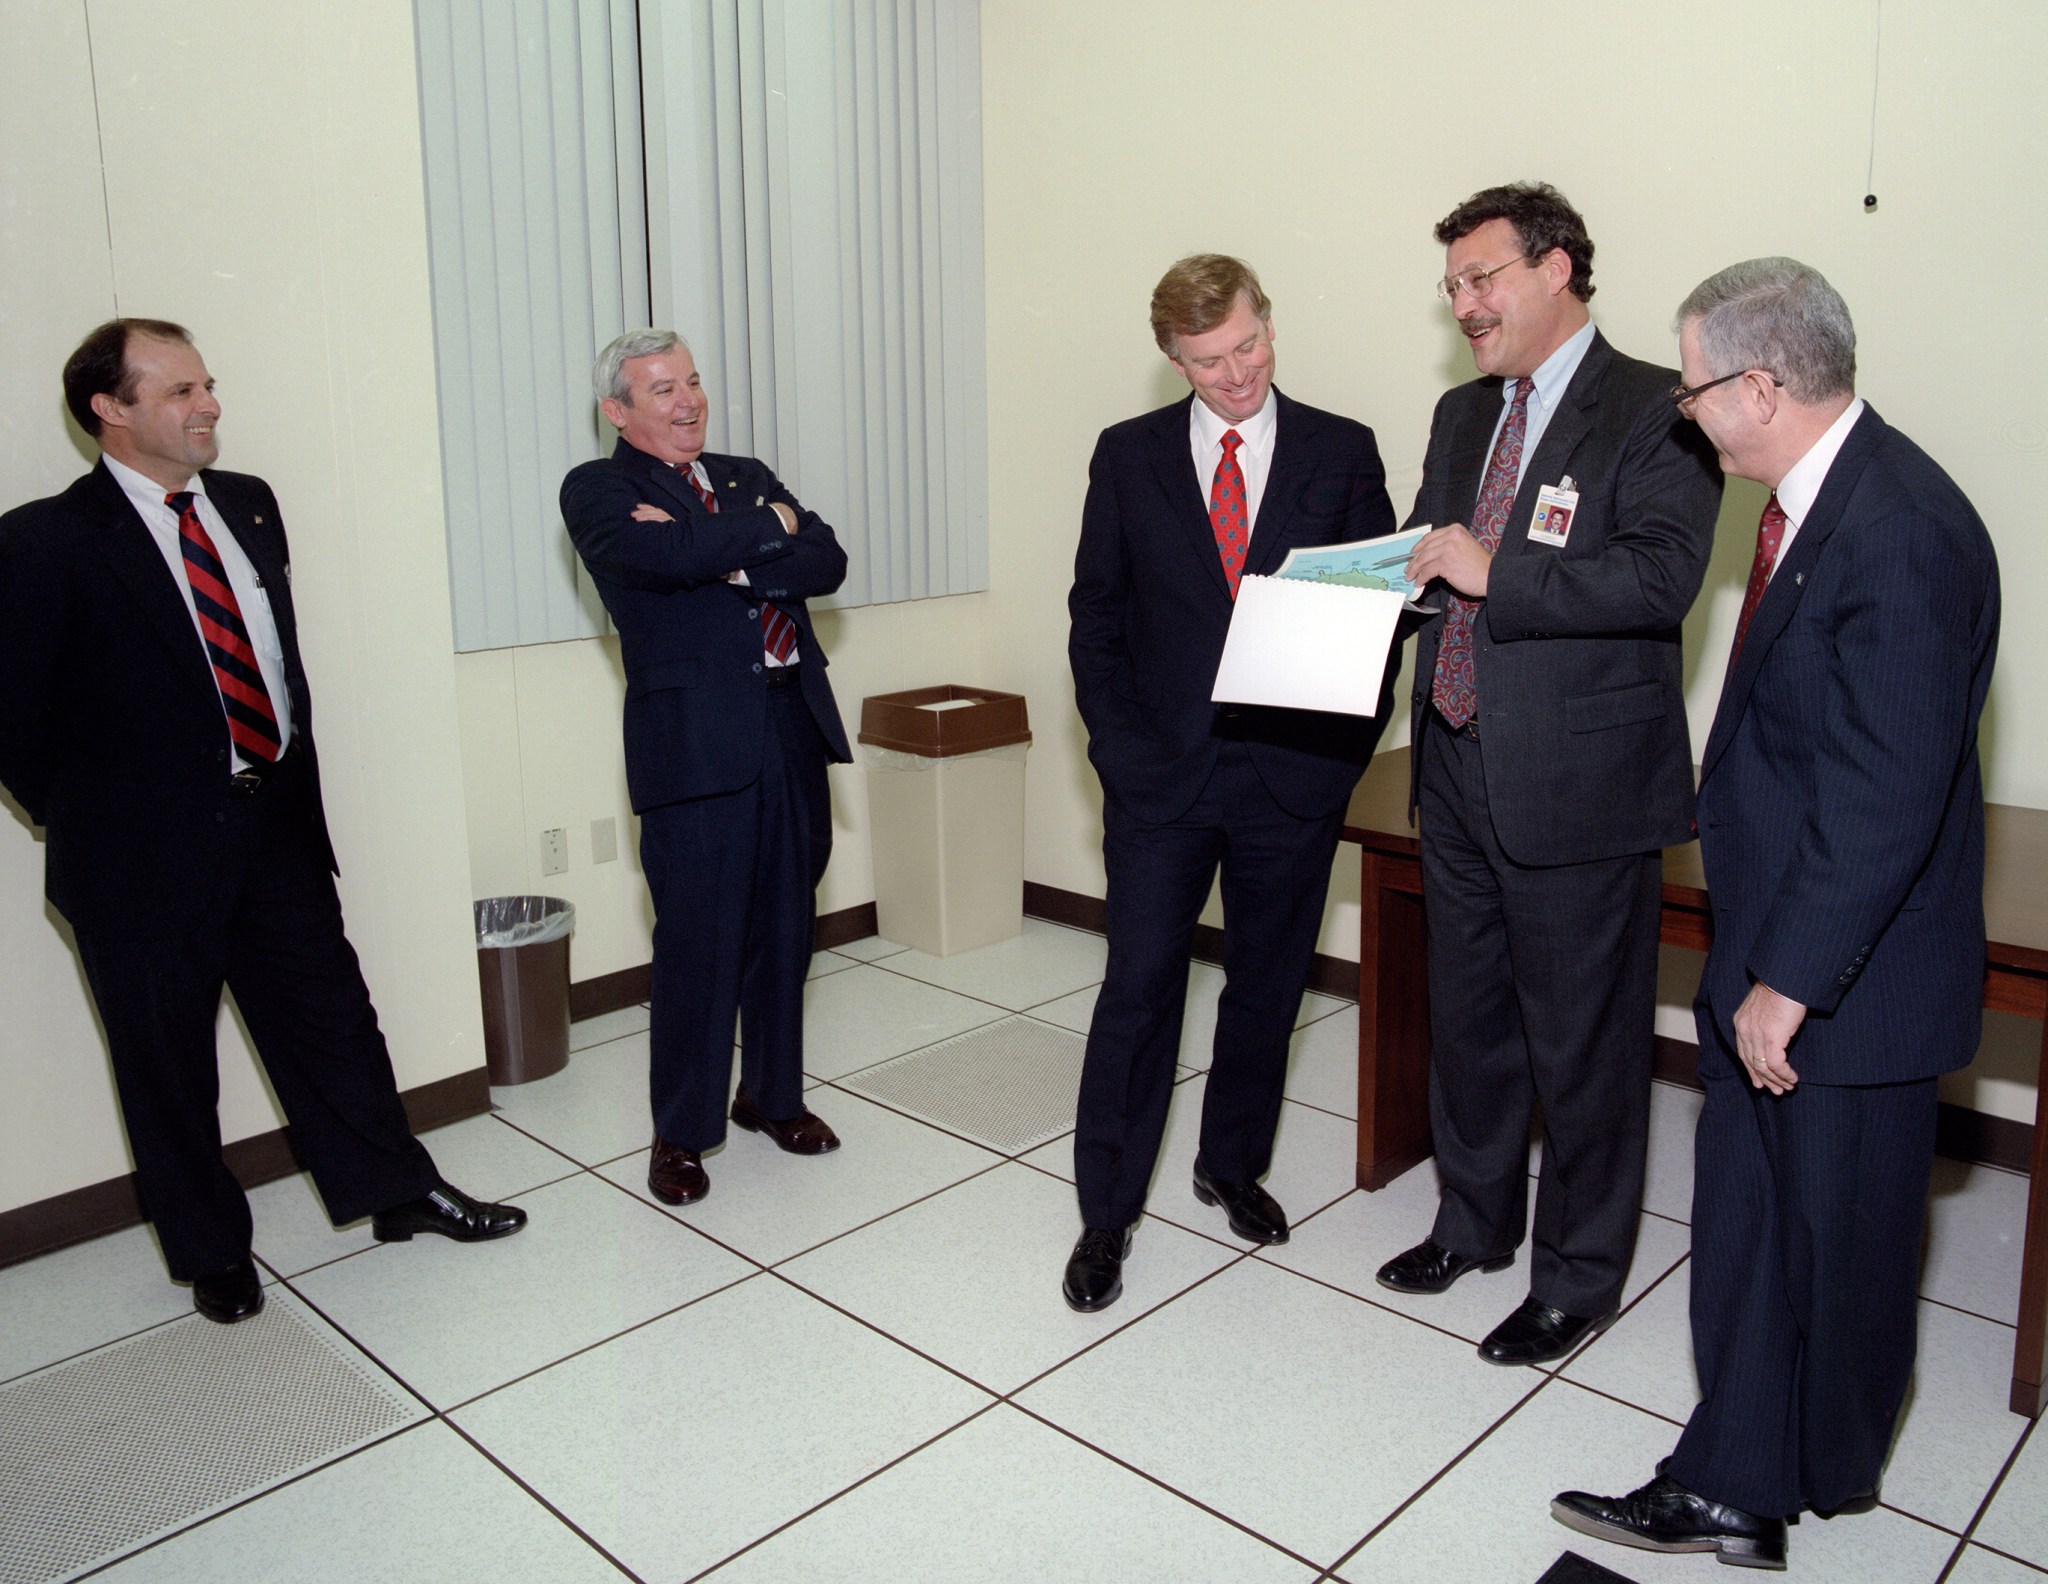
x=1841 y=818
x=1181 y=502
x=1573 y=514
x=156 y=721
x=705 y=563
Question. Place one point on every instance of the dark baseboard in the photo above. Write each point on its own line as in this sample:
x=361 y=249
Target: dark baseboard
x=1331 y=976
x=848 y=924
x=110 y=1206
x=1677 y=1061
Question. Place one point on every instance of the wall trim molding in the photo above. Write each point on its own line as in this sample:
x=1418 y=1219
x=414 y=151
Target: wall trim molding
x=46 y=1225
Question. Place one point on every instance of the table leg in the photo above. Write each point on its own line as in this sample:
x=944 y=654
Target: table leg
x=2030 y=1352
x=1393 y=1021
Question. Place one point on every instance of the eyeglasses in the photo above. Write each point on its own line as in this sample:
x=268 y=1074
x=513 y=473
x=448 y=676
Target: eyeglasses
x=1683 y=396
x=1474 y=283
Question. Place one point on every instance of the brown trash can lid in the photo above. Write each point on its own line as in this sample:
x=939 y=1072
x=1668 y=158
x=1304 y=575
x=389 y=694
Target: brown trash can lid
x=906 y=723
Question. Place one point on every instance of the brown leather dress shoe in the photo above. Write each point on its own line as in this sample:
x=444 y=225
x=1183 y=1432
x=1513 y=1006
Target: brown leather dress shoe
x=803 y=1134
x=229 y=1295
x=676 y=1176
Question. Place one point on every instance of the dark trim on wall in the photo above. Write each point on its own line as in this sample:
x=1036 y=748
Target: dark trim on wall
x=848 y=924
x=110 y=1206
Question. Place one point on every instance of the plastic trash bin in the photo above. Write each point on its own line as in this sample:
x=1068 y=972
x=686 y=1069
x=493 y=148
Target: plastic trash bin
x=945 y=771
x=522 y=965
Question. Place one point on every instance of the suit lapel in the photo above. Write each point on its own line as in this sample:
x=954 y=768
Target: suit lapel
x=1293 y=463
x=1570 y=424
x=123 y=539
x=666 y=481
x=1788 y=583
x=1173 y=461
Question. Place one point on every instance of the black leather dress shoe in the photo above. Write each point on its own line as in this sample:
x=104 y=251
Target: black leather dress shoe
x=803 y=1134
x=674 y=1175
x=1664 y=1516
x=1254 y=1214
x=450 y=1213
x=1429 y=1267
x=1537 y=1333
x=230 y=1295
x=1095 y=1270
x=1866 y=1502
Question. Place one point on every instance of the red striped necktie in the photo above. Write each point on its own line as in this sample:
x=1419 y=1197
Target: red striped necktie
x=252 y=722
x=778 y=632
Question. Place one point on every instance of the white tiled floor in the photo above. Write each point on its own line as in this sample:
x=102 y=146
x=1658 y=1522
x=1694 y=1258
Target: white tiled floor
x=859 y=1367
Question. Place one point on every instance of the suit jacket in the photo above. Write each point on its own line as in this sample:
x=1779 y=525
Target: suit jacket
x=1841 y=808
x=696 y=692
x=1575 y=649
x=1150 y=608
x=111 y=730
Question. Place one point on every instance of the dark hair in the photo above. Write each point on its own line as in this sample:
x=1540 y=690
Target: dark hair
x=100 y=365
x=1199 y=293
x=1541 y=218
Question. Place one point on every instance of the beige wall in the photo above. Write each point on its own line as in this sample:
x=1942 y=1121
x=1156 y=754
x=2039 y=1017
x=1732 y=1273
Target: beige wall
x=254 y=172
x=262 y=183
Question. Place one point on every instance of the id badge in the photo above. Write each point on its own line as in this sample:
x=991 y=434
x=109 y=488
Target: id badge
x=1556 y=506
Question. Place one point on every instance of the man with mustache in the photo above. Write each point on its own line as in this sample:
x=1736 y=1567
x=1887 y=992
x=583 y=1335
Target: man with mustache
x=1552 y=763
x=705 y=562
x=157 y=723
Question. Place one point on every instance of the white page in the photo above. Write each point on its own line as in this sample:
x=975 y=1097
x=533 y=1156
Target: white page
x=1318 y=646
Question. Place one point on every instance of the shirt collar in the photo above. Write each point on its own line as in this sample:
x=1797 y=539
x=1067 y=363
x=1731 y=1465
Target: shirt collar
x=141 y=488
x=1800 y=487
x=1256 y=431
x=1555 y=372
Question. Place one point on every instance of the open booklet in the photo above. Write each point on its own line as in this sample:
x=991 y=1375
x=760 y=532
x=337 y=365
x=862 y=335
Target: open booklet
x=1319 y=634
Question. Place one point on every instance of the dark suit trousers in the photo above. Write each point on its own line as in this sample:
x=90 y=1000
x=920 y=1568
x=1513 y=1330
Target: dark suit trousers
x=1543 y=985
x=273 y=935
x=1276 y=870
x=734 y=879
x=1806 y=1222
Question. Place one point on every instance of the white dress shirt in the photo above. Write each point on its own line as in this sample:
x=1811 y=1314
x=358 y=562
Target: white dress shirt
x=1551 y=378
x=1800 y=487
x=700 y=475
x=147 y=496
x=1254 y=455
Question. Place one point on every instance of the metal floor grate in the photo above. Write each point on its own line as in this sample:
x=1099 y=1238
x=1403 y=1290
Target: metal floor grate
x=1010 y=1085
x=105 y=1452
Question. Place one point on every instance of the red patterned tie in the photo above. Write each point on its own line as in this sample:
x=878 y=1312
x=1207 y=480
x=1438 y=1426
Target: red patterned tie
x=778 y=632
x=252 y=722
x=1228 y=515
x=1770 y=533
x=1454 y=690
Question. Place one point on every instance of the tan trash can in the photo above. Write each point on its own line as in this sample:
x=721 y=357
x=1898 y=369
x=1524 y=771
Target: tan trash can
x=945 y=769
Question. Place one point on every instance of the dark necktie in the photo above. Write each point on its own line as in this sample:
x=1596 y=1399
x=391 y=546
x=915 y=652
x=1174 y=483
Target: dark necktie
x=1229 y=517
x=1770 y=533
x=778 y=632
x=252 y=722
x=1454 y=690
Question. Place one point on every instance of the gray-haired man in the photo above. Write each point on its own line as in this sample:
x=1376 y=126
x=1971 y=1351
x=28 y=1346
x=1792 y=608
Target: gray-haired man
x=705 y=563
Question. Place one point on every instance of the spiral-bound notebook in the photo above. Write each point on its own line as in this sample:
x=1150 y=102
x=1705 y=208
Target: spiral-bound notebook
x=1319 y=646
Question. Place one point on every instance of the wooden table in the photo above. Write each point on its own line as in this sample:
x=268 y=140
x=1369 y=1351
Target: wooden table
x=1393 y=1000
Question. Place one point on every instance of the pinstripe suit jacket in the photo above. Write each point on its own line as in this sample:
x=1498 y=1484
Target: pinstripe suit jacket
x=1841 y=808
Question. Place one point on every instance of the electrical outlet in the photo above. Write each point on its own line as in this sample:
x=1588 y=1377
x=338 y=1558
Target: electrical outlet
x=554 y=852
x=604 y=841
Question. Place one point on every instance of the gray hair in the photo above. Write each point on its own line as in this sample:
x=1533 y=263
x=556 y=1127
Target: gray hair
x=1776 y=314
x=608 y=373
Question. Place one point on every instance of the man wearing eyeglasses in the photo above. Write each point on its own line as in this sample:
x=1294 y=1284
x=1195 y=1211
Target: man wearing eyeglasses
x=1573 y=515
x=1841 y=815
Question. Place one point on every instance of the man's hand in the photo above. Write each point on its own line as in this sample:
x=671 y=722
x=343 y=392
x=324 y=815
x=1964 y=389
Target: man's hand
x=646 y=513
x=788 y=517
x=1764 y=1026
x=1452 y=554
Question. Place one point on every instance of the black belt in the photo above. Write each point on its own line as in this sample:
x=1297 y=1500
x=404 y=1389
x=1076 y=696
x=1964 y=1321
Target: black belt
x=251 y=776
x=784 y=676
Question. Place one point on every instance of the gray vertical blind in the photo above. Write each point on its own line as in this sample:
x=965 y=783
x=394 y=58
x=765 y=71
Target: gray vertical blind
x=814 y=232
x=530 y=113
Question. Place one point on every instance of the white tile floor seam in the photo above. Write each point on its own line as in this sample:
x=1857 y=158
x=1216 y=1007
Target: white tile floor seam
x=859 y=1366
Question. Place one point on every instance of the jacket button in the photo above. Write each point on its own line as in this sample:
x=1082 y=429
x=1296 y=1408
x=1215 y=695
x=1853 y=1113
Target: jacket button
x=757 y=668
x=753 y=613
x=220 y=819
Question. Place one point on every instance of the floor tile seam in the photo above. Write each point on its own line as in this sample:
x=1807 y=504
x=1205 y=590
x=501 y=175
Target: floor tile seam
x=592 y=1346
x=818 y=1507
x=968 y=995
x=2003 y=1556
x=910 y=1116
x=594 y=1045
x=944 y=1188
x=1974 y=1314
x=248 y=1498
x=84 y=1352
x=1172 y=1490
x=1159 y=1216
x=1998 y=1483
x=356 y=1342
x=544 y=1504
x=914 y=1050
x=1422 y=1490
x=889 y=1336
x=1379 y=1304
x=1618 y=1400
x=526 y=1132
x=1310 y=1105
x=1171 y=1298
